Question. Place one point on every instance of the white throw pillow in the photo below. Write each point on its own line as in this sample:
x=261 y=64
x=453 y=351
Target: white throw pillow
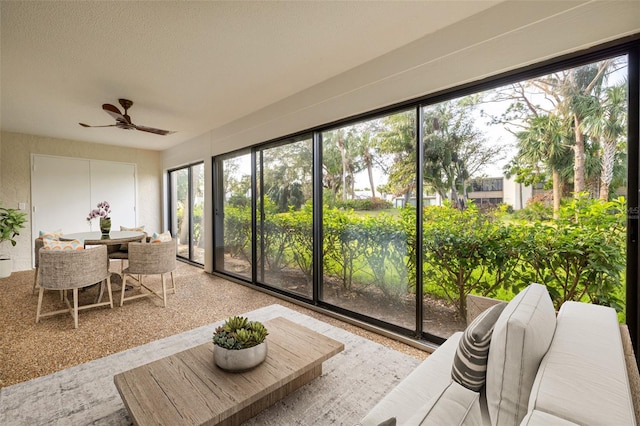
x=160 y=238
x=521 y=337
x=125 y=246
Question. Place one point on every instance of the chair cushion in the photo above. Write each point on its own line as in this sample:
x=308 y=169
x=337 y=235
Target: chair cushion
x=521 y=337
x=454 y=406
x=52 y=235
x=56 y=245
x=160 y=238
x=470 y=363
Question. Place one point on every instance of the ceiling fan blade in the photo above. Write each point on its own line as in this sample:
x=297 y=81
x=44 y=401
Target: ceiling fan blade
x=155 y=131
x=88 y=125
x=115 y=113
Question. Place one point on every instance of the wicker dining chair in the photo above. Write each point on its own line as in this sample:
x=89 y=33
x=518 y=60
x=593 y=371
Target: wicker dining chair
x=121 y=253
x=72 y=270
x=38 y=244
x=121 y=256
x=150 y=259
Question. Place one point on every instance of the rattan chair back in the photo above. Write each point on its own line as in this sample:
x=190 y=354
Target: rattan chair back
x=152 y=258
x=38 y=244
x=61 y=270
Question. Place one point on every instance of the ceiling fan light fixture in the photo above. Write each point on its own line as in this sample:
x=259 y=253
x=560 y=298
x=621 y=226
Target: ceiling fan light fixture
x=123 y=120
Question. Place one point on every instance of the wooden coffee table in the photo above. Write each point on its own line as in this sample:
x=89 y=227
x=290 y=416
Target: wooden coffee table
x=187 y=388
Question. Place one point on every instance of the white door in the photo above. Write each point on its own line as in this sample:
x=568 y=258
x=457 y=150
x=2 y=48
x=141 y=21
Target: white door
x=64 y=191
x=115 y=183
x=60 y=194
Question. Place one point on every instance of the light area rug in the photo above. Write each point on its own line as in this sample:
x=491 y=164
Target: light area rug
x=352 y=382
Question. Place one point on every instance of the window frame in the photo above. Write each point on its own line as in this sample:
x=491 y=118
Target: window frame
x=629 y=46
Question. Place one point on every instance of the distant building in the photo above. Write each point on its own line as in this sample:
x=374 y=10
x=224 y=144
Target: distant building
x=484 y=192
x=499 y=190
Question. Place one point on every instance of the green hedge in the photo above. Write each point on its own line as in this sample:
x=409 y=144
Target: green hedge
x=580 y=256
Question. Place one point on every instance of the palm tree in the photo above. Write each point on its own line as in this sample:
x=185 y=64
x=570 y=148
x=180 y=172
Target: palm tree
x=544 y=146
x=580 y=89
x=607 y=121
x=571 y=96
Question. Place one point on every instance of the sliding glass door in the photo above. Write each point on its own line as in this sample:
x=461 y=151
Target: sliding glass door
x=187 y=211
x=233 y=236
x=396 y=216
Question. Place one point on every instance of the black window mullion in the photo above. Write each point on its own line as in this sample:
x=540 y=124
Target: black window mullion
x=190 y=203
x=317 y=266
x=419 y=218
x=254 y=218
x=633 y=182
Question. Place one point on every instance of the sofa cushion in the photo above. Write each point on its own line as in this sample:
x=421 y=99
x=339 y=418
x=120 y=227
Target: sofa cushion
x=454 y=406
x=520 y=339
x=583 y=377
x=470 y=363
x=427 y=380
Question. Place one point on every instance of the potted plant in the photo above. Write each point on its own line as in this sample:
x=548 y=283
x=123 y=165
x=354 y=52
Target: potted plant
x=239 y=344
x=11 y=222
x=102 y=211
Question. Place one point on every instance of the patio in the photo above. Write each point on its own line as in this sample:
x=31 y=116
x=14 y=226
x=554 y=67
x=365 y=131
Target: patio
x=29 y=350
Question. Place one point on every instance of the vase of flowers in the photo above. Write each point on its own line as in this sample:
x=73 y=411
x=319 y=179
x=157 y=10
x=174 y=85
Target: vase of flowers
x=102 y=211
x=239 y=344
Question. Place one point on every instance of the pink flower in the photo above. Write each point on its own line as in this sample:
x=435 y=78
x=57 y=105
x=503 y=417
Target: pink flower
x=103 y=210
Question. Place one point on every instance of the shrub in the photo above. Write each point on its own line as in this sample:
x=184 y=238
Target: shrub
x=578 y=257
x=466 y=253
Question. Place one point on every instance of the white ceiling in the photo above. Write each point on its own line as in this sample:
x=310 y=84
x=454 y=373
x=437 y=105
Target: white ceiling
x=188 y=66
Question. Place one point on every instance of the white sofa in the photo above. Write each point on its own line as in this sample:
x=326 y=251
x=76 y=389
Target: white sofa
x=540 y=370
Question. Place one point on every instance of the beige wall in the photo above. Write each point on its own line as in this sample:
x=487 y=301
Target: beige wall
x=15 y=180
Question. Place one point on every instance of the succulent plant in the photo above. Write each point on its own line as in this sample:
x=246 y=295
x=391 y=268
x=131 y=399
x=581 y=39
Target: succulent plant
x=239 y=333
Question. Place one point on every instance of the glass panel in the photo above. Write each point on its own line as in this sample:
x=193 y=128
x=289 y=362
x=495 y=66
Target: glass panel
x=197 y=213
x=180 y=209
x=236 y=211
x=285 y=227
x=369 y=182
x=529 y=182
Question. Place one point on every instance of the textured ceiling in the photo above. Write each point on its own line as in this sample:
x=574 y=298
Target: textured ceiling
x=188 y=66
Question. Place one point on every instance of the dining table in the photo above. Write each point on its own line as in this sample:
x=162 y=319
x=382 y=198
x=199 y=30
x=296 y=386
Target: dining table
x=113 y=240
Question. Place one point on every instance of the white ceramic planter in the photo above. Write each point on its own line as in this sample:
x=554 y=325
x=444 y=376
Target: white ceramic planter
x=240 y=359
x=6 y=266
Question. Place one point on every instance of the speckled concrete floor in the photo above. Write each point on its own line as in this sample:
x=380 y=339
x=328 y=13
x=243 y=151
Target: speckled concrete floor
x=29 y=350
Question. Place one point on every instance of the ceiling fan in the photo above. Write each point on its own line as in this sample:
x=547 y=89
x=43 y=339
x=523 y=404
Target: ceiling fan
x=123 y=121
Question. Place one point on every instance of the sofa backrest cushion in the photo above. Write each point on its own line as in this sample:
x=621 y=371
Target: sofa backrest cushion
x=470 y=362
x=521 y=337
